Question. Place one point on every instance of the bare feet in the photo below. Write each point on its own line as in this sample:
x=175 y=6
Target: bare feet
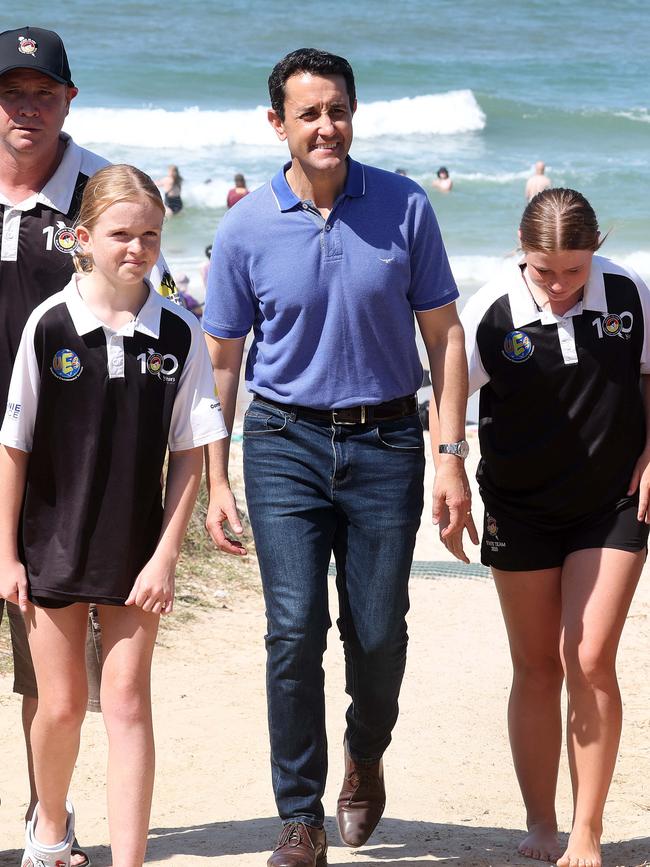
x=541 y=842
x=583 y=849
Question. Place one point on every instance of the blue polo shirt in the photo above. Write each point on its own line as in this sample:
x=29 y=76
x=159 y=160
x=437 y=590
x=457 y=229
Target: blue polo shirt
x=330 y=301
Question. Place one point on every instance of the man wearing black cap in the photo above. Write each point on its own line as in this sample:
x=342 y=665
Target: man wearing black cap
x=42 y=177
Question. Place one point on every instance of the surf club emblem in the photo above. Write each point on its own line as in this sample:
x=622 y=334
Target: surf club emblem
x=517 y=346
x=66 y=365
x=27 y=45
x=164 y=367
x=612 y=324
x=154 y=363
x=65 y=239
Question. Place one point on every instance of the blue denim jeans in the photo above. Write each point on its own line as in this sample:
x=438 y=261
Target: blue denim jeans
x=314 y=488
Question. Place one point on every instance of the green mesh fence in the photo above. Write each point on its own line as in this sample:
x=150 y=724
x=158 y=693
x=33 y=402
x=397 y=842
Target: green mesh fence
x=441 y=569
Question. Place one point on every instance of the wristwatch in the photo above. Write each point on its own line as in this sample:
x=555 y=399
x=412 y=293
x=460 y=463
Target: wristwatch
x=460 y=449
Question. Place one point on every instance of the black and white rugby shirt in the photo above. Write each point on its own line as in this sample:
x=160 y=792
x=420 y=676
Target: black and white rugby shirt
x=97 y=409
x=561 y=418
x=36 y=246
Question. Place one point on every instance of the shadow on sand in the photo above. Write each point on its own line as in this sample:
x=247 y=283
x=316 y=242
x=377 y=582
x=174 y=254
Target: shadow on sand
x=396 y=843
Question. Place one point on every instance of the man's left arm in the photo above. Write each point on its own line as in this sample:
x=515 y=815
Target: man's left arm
x=444 y=340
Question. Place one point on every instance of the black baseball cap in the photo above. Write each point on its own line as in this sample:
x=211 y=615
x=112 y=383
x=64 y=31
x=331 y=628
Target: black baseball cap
x=34 y=48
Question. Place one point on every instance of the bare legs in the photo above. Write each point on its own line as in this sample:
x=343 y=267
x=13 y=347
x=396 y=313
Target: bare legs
x=531 y=603
x=597 y=589
x=57 y=642
x=28 y=713
x=129 y=638
x=567 y=621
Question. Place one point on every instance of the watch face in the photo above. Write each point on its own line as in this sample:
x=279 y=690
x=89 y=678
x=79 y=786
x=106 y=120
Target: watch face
x=460 y=448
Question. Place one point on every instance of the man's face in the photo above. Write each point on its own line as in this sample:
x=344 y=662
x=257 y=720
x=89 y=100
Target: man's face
x=33 y=108
x=317 y=123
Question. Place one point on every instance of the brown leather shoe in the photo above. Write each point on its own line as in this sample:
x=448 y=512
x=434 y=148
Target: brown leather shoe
x=362 y=800
x=299 y=845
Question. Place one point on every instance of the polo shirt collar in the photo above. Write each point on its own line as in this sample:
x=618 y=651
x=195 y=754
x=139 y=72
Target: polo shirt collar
x=147 y=321
x=525 y=311
x=58 y=191
x=355 y=185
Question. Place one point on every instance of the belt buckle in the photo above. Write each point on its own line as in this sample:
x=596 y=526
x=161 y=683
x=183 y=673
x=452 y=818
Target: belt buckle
x=335 y=420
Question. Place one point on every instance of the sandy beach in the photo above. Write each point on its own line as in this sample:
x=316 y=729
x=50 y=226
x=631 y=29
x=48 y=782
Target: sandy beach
x=452 y=794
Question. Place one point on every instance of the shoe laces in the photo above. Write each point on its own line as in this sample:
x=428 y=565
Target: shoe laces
x=293 y=834
x=361 y=779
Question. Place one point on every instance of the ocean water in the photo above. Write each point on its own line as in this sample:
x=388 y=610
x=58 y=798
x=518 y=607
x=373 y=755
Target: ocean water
x=482 y=88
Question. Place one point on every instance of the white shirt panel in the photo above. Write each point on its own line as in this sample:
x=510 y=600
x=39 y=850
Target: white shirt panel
x=196 y=417
x=470 y=317
x=22 y=401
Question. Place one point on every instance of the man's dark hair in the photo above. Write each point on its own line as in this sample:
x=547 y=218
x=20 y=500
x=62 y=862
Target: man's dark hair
x=307 y=60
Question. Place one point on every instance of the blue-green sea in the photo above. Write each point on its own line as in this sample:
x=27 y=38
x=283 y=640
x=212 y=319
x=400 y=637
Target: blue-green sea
x=485 y=89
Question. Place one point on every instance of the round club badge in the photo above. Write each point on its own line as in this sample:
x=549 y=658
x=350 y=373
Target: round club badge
x=66 y=365
x=154 y=363
x=65 y=240
x=27 y=45
x=612 y=324
x=517 y=346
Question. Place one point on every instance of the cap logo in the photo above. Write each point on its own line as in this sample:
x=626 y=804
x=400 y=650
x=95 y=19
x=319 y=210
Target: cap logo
x=27 y=45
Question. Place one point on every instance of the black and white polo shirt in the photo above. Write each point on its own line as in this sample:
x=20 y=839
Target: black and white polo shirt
x=561 y=419
x=36 y=243
x=97 y=410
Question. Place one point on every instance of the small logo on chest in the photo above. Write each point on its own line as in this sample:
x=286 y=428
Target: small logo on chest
x=66 y=365
x=60 y=237
x=614 y=325
x=161 y=366
x=517 y=346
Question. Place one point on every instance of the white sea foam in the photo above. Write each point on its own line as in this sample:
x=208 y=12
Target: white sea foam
x=639 y=114
x=474 y=271
x=194 y=128
x=433 y=114
x=496 y=178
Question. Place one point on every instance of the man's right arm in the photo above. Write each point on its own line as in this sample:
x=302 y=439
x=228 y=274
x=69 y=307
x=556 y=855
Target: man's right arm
x=226 y=356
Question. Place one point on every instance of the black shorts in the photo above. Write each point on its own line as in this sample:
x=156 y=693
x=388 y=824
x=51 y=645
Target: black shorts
x=174 y=203
x=513 y=545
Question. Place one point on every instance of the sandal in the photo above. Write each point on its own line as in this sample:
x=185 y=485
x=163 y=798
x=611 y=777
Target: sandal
x=77 y=850
x=38 y=854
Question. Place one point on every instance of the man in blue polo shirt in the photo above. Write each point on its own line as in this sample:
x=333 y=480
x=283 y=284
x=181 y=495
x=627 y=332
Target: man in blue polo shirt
x=328 y=264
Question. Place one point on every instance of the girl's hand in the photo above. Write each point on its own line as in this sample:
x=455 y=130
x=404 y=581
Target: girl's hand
x=453 y=541
x=13 y=583
x=153 y=589
x=641 y=480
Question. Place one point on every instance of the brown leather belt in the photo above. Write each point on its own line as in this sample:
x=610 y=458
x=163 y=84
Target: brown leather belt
x=388 y=411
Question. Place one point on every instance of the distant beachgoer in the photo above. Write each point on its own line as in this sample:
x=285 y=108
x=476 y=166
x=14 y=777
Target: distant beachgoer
x=560 y=348
x=171 y=186
x=182 y=282
x=537 y=182
x=442 y=181
x=238 y=191
x=205 y=267
x=401 y=172
x=103 y=363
